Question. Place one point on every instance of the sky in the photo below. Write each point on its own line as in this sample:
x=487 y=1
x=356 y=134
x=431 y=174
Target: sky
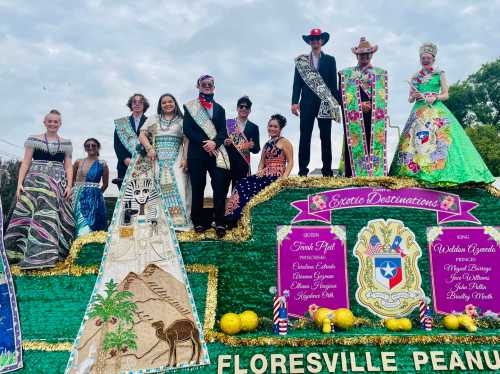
x=86 y=57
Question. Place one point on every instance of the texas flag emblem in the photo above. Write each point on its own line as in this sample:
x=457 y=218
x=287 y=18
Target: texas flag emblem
x=388 y=270
x=423 y=136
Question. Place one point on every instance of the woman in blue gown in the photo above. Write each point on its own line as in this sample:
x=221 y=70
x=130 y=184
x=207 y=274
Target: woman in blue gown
x=88 y=201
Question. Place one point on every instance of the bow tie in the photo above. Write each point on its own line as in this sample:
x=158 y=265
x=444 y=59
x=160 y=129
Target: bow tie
x=206 y=104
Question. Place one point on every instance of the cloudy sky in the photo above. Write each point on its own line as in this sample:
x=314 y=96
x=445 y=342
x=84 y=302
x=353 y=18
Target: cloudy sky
x=86 y=57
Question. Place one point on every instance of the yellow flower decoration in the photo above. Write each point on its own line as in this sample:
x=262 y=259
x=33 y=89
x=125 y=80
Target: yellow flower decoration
x=349 y=97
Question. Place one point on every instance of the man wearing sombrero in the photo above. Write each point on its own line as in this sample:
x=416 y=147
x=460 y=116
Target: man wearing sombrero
x=315 y=83
x=363 y=89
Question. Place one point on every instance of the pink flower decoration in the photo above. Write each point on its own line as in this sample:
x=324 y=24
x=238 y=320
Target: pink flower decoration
x=319 y=202
x=354 y=115
x=439 y=122
x=447 y=203
x=471 y=310
x=313 y=308
x=321 y=205
x=379 y=114
x=413 y=166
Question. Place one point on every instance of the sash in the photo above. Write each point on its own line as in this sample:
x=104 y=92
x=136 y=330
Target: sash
x=237 y=137
x=201 y=118
x=11 y=357
x=329 y=107
x=374 y=83
x=126 y=134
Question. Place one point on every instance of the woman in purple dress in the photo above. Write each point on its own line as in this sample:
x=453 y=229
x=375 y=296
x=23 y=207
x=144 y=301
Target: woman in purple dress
x=276 y=161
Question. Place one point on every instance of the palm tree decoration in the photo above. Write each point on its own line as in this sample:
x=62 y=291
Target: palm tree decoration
x=113 y=306
x=120 y=340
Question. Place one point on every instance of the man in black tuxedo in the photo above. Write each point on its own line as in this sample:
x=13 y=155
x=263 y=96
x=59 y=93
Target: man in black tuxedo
x=205 y=126
x=243 y=139
x=126 y=133
x=310 y=101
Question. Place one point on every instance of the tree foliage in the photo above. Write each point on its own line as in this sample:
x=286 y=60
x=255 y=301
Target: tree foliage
x=477 y=99
x=486 y=138
x=9 y=170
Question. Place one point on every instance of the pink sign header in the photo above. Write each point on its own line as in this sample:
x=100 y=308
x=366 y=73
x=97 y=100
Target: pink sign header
x=448 y=207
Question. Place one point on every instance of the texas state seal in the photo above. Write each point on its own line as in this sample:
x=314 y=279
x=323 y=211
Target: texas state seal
x=389 y=281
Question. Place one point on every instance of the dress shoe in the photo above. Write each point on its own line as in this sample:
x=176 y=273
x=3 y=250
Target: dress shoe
x=200 y=229
x=220 y=231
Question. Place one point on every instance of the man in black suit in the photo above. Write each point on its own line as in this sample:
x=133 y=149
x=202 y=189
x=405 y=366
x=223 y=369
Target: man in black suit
x=313 y=98
x=126 y=133
x=205 y=126
x=243 y=139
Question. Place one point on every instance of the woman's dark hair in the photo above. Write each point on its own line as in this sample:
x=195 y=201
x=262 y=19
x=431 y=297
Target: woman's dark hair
x=131 y=98
x=96 y=142
x=279 y=118
x=177 y=110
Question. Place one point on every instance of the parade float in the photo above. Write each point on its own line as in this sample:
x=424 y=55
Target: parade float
x=321 y=275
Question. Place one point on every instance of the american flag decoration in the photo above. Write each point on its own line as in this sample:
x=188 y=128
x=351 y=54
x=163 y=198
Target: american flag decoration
x=283 y=326
x=428 y=323
x=280 y=314
x=374 y=246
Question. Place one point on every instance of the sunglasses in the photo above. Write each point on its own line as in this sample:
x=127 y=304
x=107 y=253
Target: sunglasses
x=243 y=106
x=207 y=85
x=90 y=145
x=315 y=38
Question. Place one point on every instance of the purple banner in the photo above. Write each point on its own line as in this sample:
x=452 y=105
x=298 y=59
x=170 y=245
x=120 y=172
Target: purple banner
x=449 y=207
x=465 y=268
x=312 y=267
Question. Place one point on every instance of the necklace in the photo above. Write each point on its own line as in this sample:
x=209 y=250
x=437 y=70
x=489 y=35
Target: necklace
x=165 y=123
x=48 y=148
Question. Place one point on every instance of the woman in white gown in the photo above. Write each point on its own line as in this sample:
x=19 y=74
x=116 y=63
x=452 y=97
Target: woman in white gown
x=166 y=147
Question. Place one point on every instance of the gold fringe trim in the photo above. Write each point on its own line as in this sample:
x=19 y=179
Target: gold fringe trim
x=243 y=231
x=60 y=269
x=211 y=298
x=493 y=190
x=379 y=340
x=35 y=345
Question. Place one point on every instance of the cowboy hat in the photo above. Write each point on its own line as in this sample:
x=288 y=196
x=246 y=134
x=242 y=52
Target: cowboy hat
x=315 y=33
x=364 y=46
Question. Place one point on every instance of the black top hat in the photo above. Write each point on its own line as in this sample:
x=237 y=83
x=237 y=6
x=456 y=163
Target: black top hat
x=314 y=33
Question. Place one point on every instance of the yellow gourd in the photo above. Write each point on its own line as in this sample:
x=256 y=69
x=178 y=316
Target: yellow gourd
x=327 y=326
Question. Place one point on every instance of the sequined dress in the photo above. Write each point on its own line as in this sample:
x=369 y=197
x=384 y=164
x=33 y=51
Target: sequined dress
x=434 y=147
x=247 y=188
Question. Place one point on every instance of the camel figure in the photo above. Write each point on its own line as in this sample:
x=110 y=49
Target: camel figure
x=180 y=330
